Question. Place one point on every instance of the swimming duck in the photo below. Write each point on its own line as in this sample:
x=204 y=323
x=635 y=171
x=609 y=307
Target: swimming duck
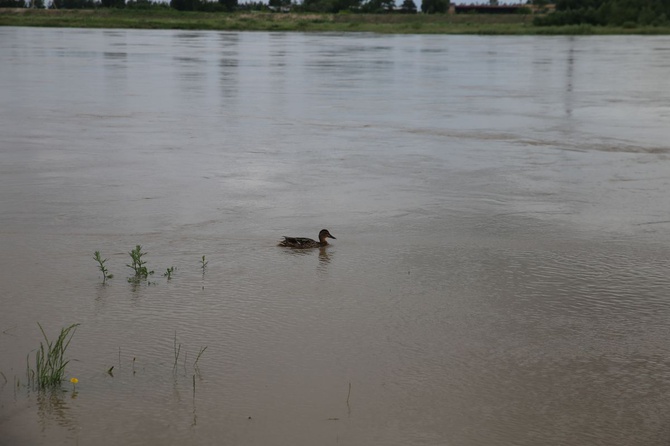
x=303 y=243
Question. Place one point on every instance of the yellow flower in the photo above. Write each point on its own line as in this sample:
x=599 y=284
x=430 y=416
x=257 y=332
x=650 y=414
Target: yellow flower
x=74 y=380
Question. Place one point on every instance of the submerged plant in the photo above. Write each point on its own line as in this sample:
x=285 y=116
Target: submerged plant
x=168 y=273
x=202 y=350
x=138 y=265
x=50 y=359
x=102 y=267
x=177 y=350
x=177 y=353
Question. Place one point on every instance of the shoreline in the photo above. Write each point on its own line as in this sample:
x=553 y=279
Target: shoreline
x=484 y=24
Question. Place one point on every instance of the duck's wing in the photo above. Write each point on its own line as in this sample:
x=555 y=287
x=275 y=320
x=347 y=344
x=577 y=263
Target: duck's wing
x=287 y=241
x=297 y=242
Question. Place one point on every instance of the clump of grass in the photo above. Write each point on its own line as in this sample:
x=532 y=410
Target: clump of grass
x=50 y=359
x=168 y=273
x=102 y=267
x=138 y=265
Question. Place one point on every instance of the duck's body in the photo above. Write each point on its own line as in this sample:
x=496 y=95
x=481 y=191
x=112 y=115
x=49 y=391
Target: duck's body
x=304 y=243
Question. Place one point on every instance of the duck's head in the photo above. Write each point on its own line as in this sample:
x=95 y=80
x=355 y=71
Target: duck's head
x=323 y=234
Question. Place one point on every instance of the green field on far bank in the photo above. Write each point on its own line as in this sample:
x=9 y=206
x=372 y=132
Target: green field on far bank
x=491 y=24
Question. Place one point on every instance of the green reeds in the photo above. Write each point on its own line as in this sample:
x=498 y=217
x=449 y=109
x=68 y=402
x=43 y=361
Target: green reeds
x=203 y=264
x=138 y=265
x=102 y=267
x=50 y=359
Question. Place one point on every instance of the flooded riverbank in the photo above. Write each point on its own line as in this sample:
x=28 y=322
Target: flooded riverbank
x=500 y=272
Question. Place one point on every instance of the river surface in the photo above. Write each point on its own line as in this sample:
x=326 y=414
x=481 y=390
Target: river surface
x=501 y=272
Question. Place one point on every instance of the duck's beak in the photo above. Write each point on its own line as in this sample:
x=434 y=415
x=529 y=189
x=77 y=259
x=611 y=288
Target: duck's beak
x=331 y=236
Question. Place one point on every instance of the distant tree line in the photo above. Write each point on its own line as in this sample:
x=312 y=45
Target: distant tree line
x=203 y=5
x=355 y=6
x=83 y=4
x=18 y=4
x=608 y=12
x=325 y=6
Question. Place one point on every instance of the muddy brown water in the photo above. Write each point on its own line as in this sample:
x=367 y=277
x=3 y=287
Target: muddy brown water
x=501 y=269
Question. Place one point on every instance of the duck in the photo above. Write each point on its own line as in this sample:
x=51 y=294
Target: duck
x=304 y=243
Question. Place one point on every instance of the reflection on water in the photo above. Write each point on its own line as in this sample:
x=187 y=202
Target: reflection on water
x=499 y=275
x=323 y=254
x=324 y=258
x=52 y=407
